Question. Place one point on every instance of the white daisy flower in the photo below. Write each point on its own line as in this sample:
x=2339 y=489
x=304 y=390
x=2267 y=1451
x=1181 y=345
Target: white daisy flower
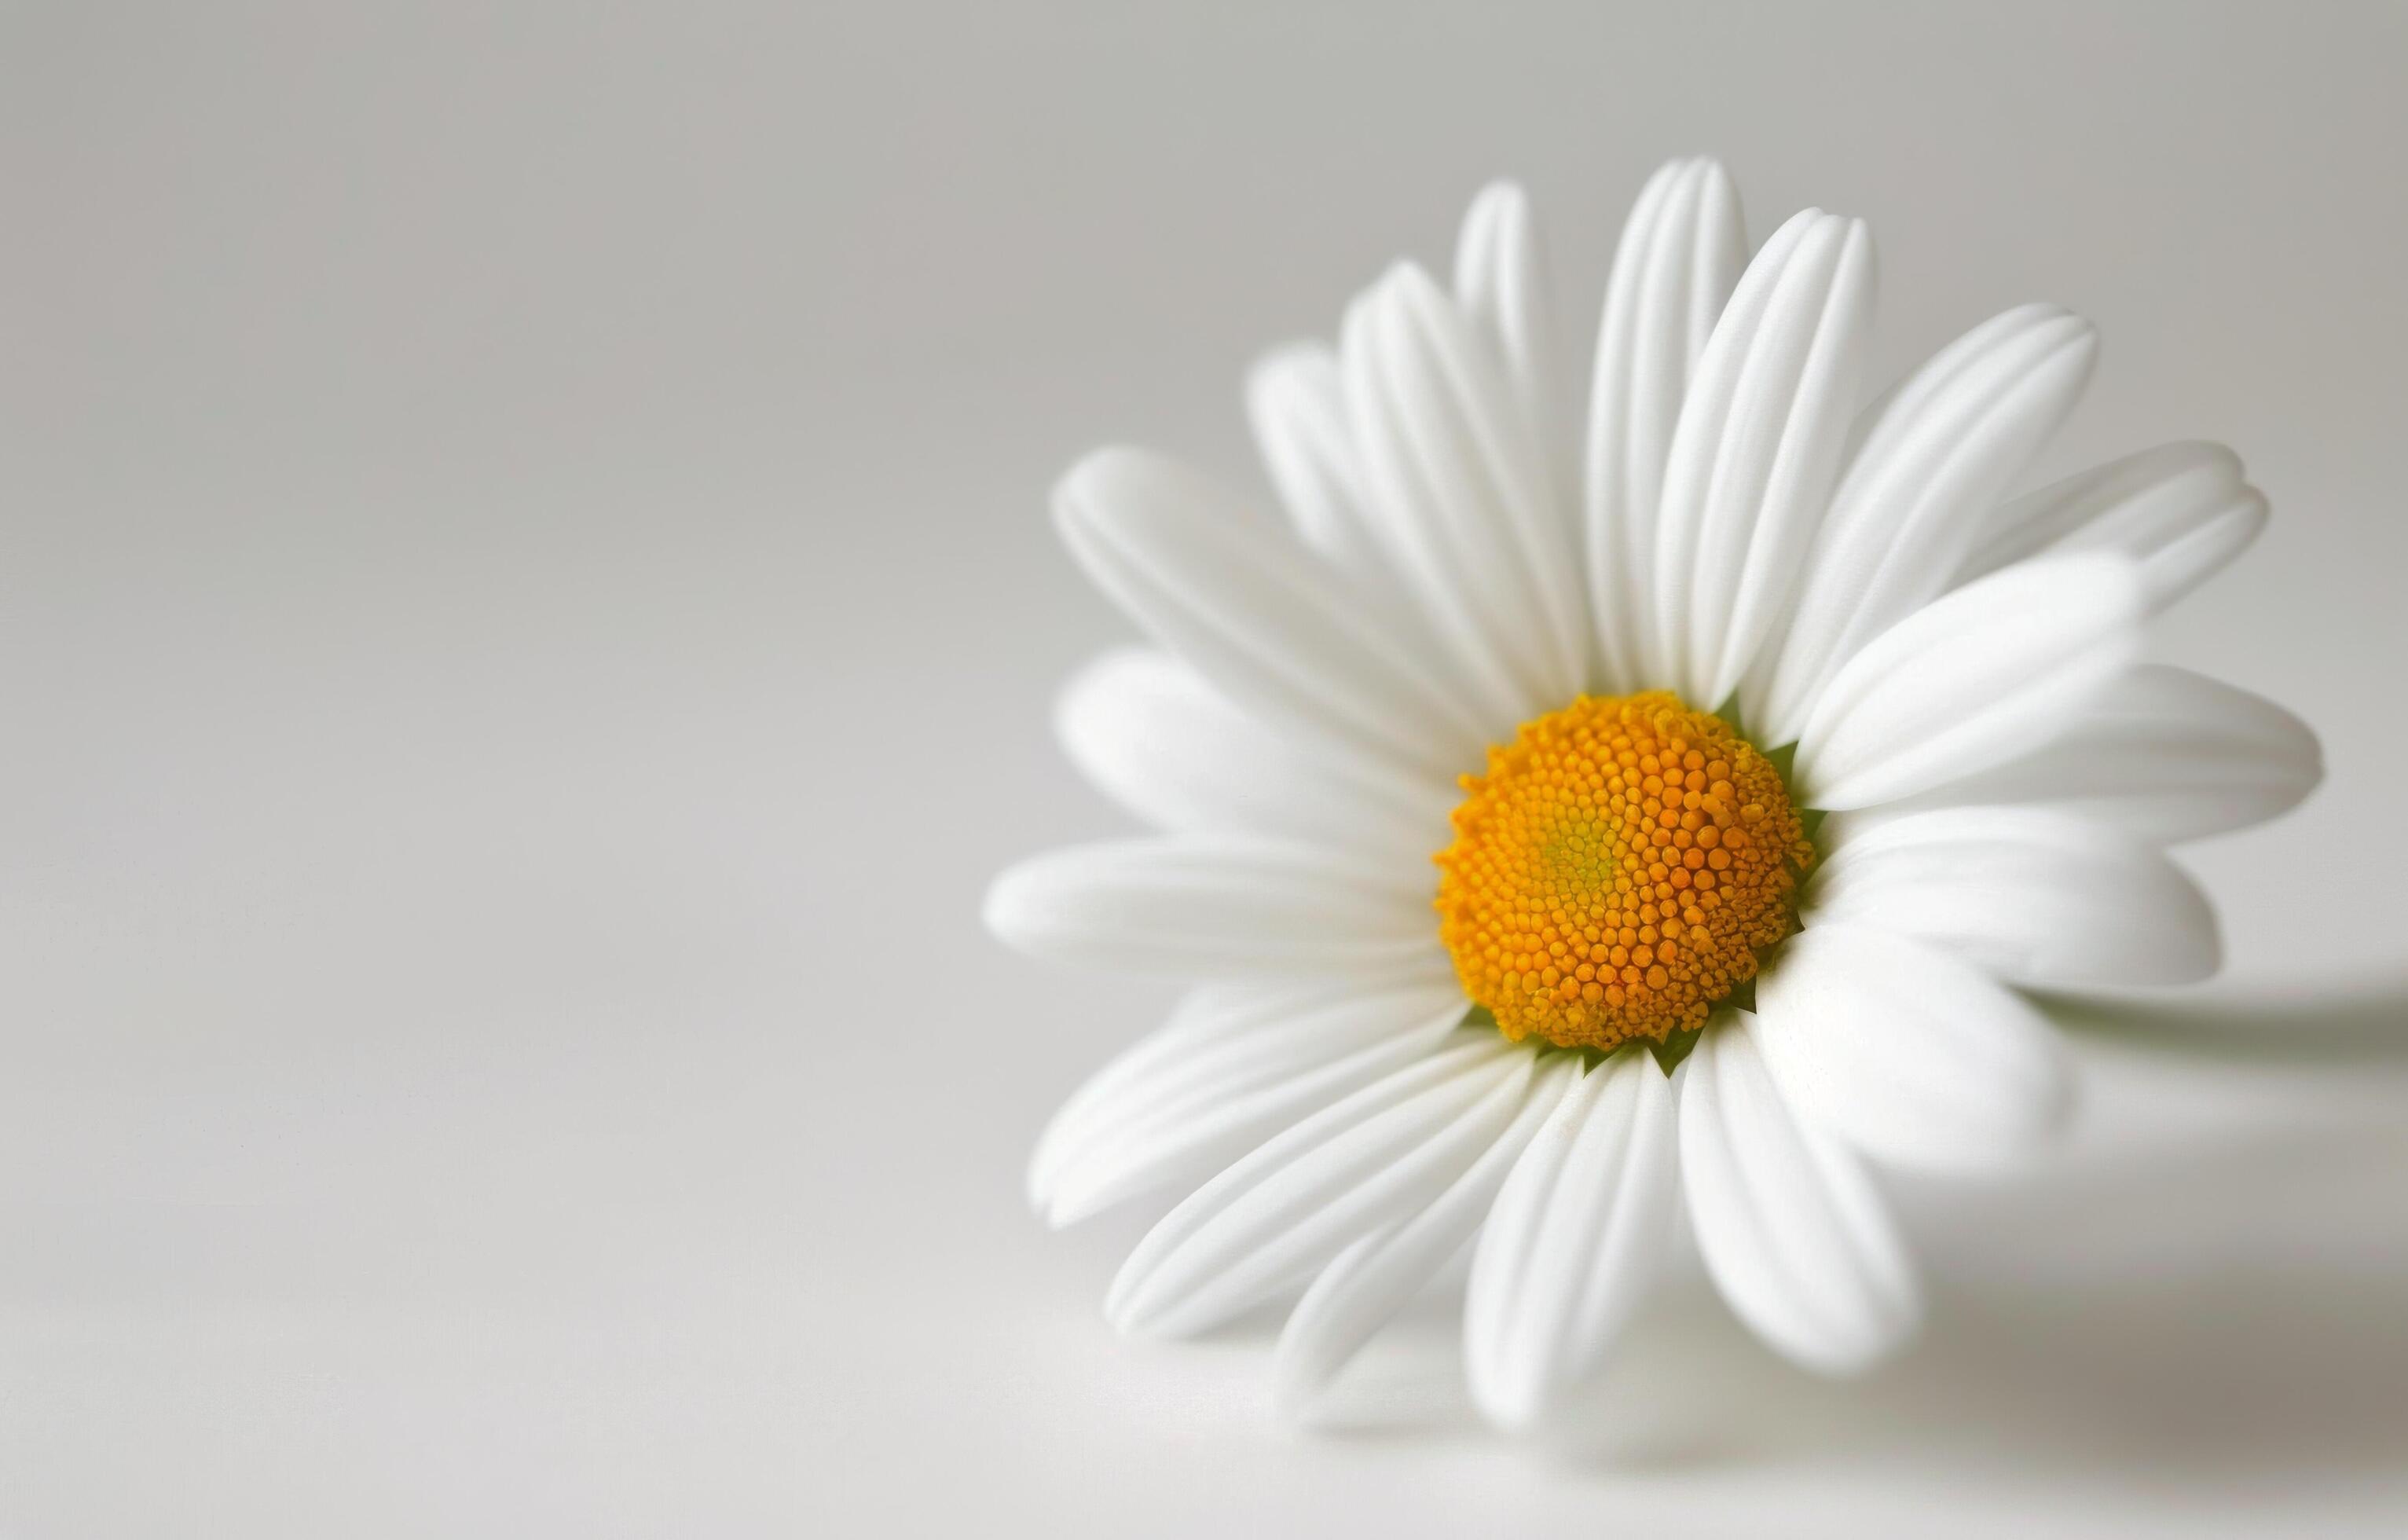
x=1616 y=693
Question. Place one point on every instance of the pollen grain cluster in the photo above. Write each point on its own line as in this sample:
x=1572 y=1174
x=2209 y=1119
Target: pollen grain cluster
x=1617 y=870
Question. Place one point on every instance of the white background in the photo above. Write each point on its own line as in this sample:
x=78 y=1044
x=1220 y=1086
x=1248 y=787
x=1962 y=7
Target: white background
x=526 y=620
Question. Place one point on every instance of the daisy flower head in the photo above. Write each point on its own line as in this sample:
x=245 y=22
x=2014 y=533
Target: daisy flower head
x=1564 y=826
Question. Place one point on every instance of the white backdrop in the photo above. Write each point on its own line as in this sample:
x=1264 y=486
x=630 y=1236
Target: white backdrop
x=526 y=620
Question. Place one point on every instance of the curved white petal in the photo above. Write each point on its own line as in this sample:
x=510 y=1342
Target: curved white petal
x=1500 y=284
x=1369 y=1281
x=1287 y=1209
x=1234 y=1064
x=2164 y=755
x=1975 y=678
x=1460 y=491
x=1150 y=734
x=1297 y=412
x=1758 y=449
x=1907 y=1054
x=1273 y=629
x=1573 y=1241
x=1202 y=906
x=1680 y=255
x=1793 y=1235
x=1918 y=491
x=2032 y=895
x=2181 y=510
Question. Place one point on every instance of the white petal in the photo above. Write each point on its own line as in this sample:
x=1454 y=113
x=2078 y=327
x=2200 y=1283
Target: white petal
x=1500 y=284
x=1907 y=1054
x=1369 y=1282
x=1234 y=1064
x=2163 y=754
x=2032 y=895
x=1977 y=677
x=1289 y=1208
x=1793 y=1235
x=1573 y=1241
x=1299 y=413
x=1272 y=629
x=1202 y=906
x=2181 y=510
x=1150 y=734
x=1757 y=448
x=1680 y=255
x=1460 y=490
x=1917 y=494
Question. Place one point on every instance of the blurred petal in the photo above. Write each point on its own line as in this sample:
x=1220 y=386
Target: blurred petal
x=1758 y=449
x=2164 y=755
x=1793 y=1235
x=1680 y=255
x=2031 y=895
x=1234 y=1064
x=1573 y=1241
x=1285 y=1211
x=1971 y=679
x=1907 y=1054
x=1369 y=1282
x=1917 y=494
x=1500 y=284
x=1275 y=631
x=1461 y=494
x=1214 y=907
x=1150 y=734
x=1298 y=410
x=2181 y=510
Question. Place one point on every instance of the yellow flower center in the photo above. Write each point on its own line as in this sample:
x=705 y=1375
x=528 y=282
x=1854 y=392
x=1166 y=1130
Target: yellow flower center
x=1619 y=870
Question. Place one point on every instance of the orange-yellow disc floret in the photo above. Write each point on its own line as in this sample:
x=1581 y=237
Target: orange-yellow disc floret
x=1617 y=870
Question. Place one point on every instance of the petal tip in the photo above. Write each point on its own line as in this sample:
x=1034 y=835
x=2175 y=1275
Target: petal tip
x=1001 y=908
x=1511 y=1404
x=1103 y=477
x=1500 y=198
x=1279 y=372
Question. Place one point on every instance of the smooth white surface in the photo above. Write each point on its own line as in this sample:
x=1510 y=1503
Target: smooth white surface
x=1572 y=1245
x=1935 y=457
x=528 y=620
x=1908 y=1054
x=1759 y=441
